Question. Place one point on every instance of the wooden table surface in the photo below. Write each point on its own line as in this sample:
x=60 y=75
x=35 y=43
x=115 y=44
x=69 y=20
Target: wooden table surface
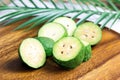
x=104 y=64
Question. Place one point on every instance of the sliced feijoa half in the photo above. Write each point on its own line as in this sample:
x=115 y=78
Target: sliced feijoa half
x=89 y=32
x=47 y=44
x=53 y=31
x=88 y=51
x=68 y=52
x=32 y=53
x=68 y=23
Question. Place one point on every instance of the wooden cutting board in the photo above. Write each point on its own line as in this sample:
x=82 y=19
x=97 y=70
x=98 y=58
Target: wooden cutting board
x=104 y=64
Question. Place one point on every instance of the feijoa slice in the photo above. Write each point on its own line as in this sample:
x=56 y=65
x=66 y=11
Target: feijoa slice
x=89 y=32
x=52 y=30
x=68 y=23
x=32 y=53
x=47 y=44
x=88 y=51
x=68 y=52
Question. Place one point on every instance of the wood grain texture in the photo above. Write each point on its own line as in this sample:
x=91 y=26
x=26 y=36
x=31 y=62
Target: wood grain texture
x=104 y=64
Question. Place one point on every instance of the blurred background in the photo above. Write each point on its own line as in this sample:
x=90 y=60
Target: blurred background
x=6 y=1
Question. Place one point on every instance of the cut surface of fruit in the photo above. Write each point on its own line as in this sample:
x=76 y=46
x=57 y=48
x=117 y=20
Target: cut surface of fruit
x=52 y=30
x=47 y=44
x=89 y=32
x=68 y=52
x=32 y=53
x=68 y=23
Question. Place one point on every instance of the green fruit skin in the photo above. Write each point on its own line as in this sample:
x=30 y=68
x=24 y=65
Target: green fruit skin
x=88 y=53
x=47 y=44
x=25 y=62
x=73 y=63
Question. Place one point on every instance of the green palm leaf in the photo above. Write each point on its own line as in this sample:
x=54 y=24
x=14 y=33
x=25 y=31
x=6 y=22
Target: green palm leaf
x=47 y=14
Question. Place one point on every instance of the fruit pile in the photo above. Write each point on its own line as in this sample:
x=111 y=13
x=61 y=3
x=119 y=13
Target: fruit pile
x=61 y=39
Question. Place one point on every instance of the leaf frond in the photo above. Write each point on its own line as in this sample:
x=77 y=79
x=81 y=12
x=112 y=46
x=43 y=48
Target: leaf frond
x=45 y=13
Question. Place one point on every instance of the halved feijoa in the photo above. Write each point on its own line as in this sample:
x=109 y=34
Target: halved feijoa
x=68 y=52
x=68 y=23
x=89 y=32
x=53 y=31
x=88 y=51
x=32 y=53
x=47 y=44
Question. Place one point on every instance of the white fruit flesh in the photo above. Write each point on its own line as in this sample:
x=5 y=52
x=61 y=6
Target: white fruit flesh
x=32 y=53
x=88 y=32
x=54 y=31
x=67 y=48
x=68 y=23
